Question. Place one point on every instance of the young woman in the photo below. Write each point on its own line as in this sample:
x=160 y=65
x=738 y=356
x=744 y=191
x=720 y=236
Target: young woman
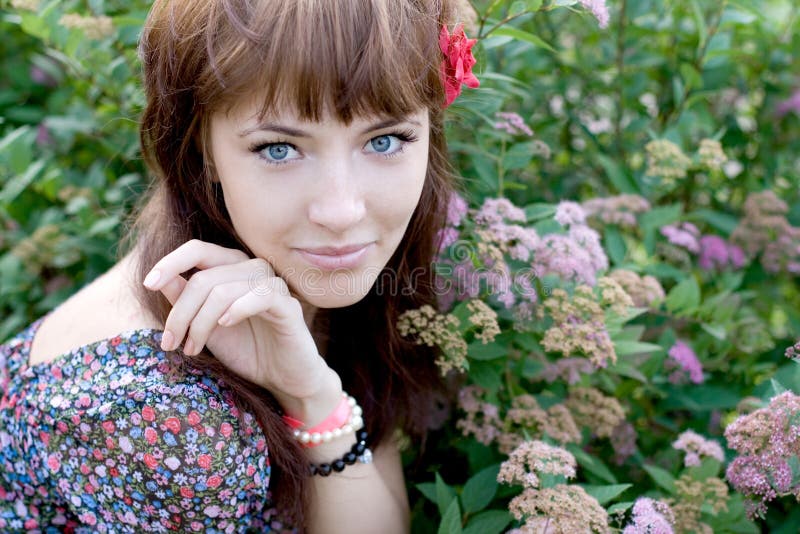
x=239 y=367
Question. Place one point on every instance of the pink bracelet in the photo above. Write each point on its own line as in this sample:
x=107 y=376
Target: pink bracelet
x=337 y=418
x=345 y=418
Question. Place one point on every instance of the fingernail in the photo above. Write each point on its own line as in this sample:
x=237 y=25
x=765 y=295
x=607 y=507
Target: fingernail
x=188 y=347
x=167 y=339
x=225 y=319
x=152 y=277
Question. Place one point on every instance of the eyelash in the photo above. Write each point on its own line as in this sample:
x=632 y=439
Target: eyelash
x=405 y=136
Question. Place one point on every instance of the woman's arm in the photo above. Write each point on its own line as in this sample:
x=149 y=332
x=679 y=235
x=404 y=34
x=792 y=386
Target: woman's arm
x=364 y=498
x=267 y=341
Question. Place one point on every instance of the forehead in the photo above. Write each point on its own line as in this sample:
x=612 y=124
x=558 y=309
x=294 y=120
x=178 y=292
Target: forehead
x=348 y=58
x=249 y=111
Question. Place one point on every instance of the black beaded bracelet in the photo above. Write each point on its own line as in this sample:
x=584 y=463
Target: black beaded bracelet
x=358 y=451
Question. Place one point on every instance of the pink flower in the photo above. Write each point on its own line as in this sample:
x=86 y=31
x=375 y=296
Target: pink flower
x=512 y=123
x=790 y=104
x=716 y=253
x=446 y=237
x=456 y=209
x=696 y=447
x=599 y=9
x=457 y=63
x=686 y=235
x=496 y=210
x=569 y=213
x=684 y=361
x=650 y=517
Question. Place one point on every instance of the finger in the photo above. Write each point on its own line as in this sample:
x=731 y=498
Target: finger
x=193 y=253
x=187 y=303
x=206 y=320
x=194 y=293
x=273 y=302
x=172 y=290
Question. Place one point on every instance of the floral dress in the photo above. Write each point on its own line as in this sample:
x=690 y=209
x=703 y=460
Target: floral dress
x=101 y=440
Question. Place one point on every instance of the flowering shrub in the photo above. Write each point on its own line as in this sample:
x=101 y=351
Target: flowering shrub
x=619 y=308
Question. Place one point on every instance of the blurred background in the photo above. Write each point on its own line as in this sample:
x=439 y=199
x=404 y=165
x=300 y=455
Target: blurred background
x=667 y=121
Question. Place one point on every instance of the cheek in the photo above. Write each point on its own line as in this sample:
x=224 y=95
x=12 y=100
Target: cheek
x=261 y=217
x=400 y=197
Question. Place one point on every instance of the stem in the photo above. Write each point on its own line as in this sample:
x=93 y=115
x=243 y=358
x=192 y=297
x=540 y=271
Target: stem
x=501 y=23
x=485 y=16
x=620 y=80
x=697 y=63
x=500 y=169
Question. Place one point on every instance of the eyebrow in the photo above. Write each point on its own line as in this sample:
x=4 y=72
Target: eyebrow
x=294 y=132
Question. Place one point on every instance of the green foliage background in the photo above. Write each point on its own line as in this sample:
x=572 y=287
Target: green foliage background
x=70 y=172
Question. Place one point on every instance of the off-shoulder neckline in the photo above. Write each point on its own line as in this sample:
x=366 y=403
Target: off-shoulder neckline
x=30 y=333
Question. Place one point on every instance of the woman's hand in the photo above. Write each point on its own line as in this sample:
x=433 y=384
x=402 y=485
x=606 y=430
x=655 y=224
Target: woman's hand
x=265 y=339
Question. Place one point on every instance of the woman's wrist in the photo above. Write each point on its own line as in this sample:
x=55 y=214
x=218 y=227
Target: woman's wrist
x=314 y=408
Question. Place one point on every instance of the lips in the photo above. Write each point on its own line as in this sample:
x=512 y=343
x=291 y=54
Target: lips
x=330 y=258
x=335 y=251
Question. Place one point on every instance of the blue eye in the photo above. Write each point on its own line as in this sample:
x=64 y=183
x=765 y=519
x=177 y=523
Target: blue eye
x=278 y=151
x=274 y=153
x=382 y=143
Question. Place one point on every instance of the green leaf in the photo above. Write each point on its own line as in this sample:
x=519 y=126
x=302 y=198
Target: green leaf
x=488 y=522
x=709 y=467
x=677 y=91
x=661 y=477
x=489 y=351
x=691 y=77
x=702 y=398
x=451 y=519
x=723 y=222
x=619 y=507
x=615 y=245
x=428 y=489
x=777 y=387
x=624 y=348
x=702 y=29
x=16 y=149
x=485 y=375
x=444 y=494
x=737 y=16
x=624 y=368
x=104 y=225
x=684 y=297
x=537 y=211
x=520 y=35
x=518 y=156
x=660 y=216
x=35 y=25
x=591 y=464
x=617 y=175
x=534 y=5
x=480 y=489
x=517 y=7
x=716 y=330
x=605 y=494
x=527 y=342
x=17 y=185
x=629 y=333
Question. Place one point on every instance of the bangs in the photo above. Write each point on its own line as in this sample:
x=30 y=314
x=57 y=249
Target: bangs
x=348 y=58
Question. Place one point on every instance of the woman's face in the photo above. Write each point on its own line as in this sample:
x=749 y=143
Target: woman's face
x=290 y=186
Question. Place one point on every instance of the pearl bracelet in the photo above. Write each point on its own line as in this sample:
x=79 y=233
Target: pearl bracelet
x=354 y=423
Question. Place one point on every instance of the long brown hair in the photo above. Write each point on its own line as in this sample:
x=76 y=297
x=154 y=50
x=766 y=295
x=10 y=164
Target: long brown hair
x=352 y=57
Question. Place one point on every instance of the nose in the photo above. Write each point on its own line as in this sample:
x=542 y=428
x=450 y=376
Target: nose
x=338 y=204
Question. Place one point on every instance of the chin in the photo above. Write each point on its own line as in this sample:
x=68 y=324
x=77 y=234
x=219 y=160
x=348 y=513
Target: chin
x=336 y=290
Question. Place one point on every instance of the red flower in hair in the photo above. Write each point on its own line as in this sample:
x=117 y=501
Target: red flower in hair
x=457 y=63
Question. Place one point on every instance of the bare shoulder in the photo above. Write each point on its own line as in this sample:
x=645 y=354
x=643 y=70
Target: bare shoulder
x=99 y=310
